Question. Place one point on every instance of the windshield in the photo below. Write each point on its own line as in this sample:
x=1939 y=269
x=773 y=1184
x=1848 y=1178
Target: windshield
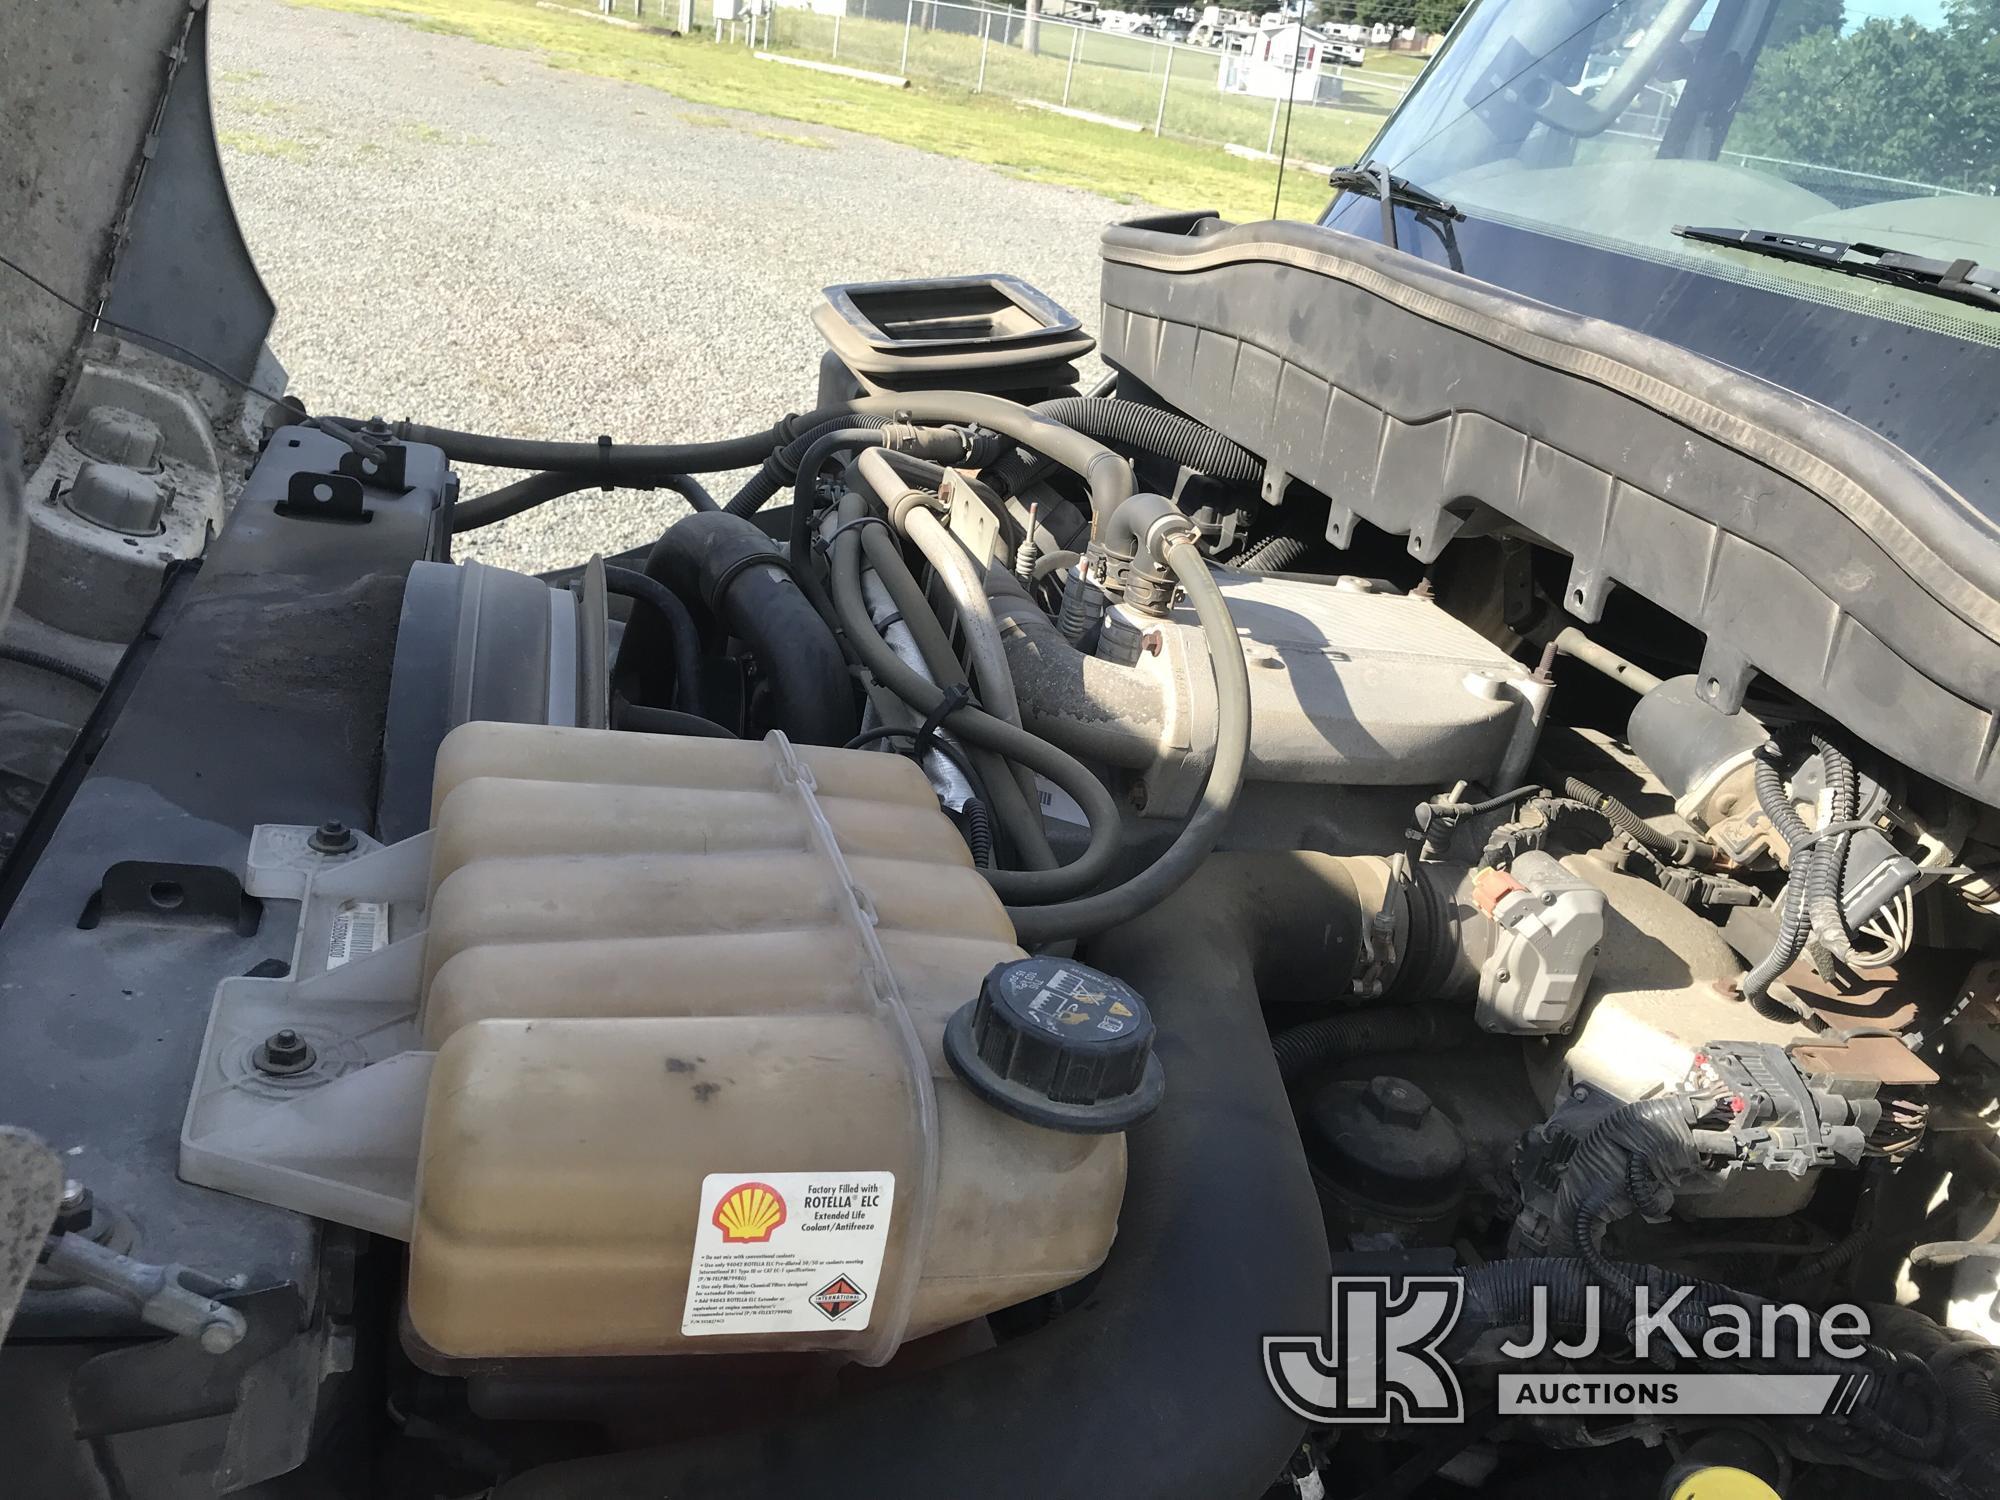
x=1872 y=121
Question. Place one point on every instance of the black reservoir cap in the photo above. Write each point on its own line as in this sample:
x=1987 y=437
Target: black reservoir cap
x=1059 y=1044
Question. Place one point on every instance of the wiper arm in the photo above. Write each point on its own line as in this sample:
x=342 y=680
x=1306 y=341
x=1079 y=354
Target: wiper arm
x=1960 y=280
x=1376 y=180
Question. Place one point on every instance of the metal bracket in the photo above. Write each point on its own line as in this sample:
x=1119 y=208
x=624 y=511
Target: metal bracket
x=326 y=497
x=387 y=474
x=160 y=894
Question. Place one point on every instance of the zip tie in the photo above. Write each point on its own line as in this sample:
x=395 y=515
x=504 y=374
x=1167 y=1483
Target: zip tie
x=742 y=565
x=605 y=485
x=955 y=697
x=824 y=545
x=1831 y=830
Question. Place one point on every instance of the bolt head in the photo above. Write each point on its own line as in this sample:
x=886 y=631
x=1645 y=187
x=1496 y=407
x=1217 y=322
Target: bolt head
x=332 y=837
x=1397 y=1101
x=76 y=1210
x=283 y=1053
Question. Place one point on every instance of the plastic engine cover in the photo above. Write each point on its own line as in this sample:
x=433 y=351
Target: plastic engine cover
x=1351 y=684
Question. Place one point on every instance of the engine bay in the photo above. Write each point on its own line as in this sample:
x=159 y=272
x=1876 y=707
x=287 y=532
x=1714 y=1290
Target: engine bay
x=971 y=931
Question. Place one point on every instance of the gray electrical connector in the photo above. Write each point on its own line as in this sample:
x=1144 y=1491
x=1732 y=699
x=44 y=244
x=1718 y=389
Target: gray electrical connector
x=1876 y=875
x=1539 y=945
x=1771 y=1117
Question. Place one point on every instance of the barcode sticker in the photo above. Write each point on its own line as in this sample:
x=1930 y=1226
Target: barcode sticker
x=359 y=929
x=1059 y=804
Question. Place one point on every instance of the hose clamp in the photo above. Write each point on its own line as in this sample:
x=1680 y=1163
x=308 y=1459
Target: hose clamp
x=1166 y=533
x=1380 y=958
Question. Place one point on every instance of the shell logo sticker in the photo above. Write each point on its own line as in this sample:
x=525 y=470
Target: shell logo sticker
x=748 y=1213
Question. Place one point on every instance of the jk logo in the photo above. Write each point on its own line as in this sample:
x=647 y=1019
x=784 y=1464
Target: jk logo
x=1378 y=1360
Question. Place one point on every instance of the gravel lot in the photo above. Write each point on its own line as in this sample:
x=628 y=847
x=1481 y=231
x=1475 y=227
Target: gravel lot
x=464 y=235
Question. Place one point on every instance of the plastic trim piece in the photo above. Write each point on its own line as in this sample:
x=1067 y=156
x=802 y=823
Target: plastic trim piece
x=1803 y=544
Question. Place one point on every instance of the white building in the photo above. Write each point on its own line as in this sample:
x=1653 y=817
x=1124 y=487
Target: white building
x=1274 y=60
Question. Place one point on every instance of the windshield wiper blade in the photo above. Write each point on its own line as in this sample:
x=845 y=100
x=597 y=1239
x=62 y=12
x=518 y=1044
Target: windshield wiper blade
x=1960 y=280
x=1376 y=180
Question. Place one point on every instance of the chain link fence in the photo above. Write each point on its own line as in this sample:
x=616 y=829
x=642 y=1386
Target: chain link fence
x=1122 y=81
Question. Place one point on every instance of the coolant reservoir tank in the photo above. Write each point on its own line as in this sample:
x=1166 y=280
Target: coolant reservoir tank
x=688 y=998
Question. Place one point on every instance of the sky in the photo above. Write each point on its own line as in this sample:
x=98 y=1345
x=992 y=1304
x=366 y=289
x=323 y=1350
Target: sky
x=1858 y=12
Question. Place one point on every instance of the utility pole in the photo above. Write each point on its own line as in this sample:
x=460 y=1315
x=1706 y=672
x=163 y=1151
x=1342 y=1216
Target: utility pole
x=1031 y=27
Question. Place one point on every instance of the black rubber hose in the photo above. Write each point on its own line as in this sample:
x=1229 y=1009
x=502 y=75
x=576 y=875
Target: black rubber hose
x=691 y=490
x=539 y=489
x=722 y=560
x=683 y=640
x=1035 y=925
x=55 y=666
x=608 y=462
x=1016 y=807
x=1106 y=474
x=904 y=491
x=1133 y=424
x=782 y=468
x=1272 y=555
x=804 y=493
x=512 y=499
x=977 y=727
x=1177 y=1405
x=1304 y=1049
x=643 y=720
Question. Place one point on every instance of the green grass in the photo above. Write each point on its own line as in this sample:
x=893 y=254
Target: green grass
x=1132 y=168
x=1119 y=76
x=1401 y=65
x=788 y=138
x=257 y=143
x=426 y=134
